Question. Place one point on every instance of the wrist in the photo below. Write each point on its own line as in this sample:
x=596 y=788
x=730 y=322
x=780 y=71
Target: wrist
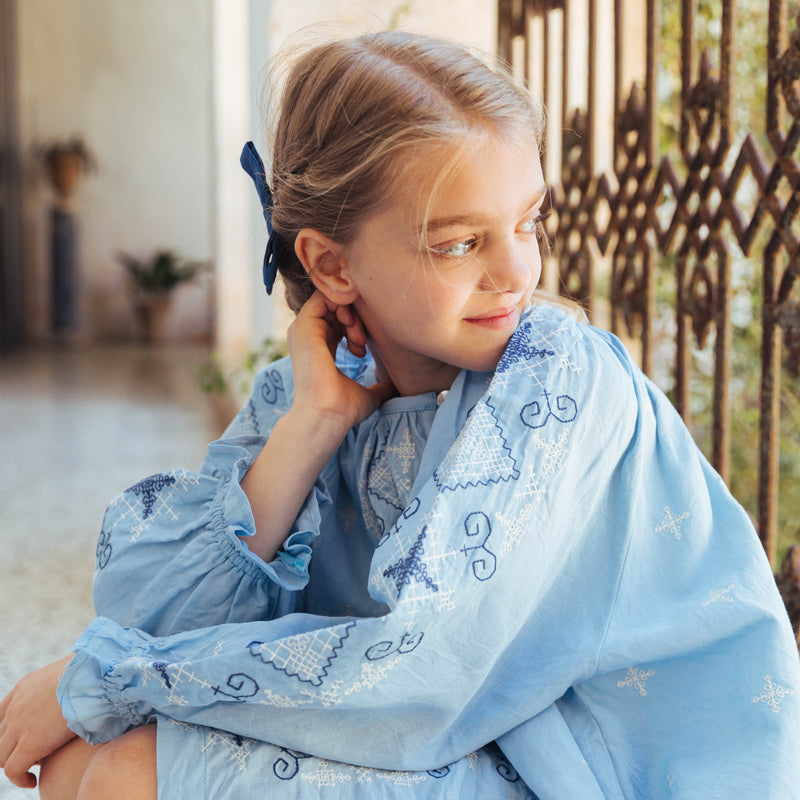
x=323 y=429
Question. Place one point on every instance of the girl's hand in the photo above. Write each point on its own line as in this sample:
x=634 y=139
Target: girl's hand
x=320 y=389
x=326 y=405
x=31 y=724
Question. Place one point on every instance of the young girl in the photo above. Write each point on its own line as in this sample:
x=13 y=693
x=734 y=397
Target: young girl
x=471 y=552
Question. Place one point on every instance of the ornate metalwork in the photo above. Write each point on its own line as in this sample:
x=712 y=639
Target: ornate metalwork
x=689 y=206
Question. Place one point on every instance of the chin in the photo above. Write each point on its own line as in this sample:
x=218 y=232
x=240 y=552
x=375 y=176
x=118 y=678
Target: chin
x=487 y=362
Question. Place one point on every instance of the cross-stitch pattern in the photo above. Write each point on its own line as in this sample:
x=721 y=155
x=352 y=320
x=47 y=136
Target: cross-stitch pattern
x=672 y=523
x=306 y=657
x=773 y=694
x=411 y=567
x=149 y=488
x=480 y=456
x=160 y=496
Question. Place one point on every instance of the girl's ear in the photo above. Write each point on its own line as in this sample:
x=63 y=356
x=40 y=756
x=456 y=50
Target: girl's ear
x=326 y=266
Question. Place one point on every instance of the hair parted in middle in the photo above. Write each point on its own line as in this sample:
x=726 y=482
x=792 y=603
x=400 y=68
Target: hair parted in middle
x=355 y=112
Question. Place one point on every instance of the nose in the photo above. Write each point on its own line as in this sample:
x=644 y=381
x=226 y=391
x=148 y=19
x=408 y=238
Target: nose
x=514 y=267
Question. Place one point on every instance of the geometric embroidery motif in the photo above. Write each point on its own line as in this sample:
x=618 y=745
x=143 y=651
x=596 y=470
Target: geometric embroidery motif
x=306 y=656
x=555 y=450
x=519 y=348
x=772 y=694
x=636 y=678
x=515 y=525
x=672 y=523
x=410 y=567
x=387 y=497
x=480 y=456
x=720 y=595
x=149 y=488
x=157 y=493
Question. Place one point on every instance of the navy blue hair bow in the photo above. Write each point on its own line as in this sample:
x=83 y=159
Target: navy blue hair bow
x=253 y=165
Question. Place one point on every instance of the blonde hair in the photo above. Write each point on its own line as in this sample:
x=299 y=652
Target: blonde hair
x=355 y=112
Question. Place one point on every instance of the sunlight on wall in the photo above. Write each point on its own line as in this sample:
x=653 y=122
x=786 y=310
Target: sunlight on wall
x=165 y=94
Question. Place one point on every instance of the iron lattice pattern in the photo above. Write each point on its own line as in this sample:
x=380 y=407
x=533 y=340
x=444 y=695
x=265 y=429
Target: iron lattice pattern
x=696 y=205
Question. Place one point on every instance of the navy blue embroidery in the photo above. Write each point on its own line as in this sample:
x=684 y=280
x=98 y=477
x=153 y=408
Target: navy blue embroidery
x=411 y=567
x=439 y=773
x=507 y=772
x=520 y=348
x=477 y=524
x=409 y=512
x=407 y=644
x=161 y=668
x=286 y=770
x=306 y=657
x=533 y=414
x=149 y=489
x=412 y=508
x=104 y=549
x=242 y=686
x=251 y=413
x=272 y=387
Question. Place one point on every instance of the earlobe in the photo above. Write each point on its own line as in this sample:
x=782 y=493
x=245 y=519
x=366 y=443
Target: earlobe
x=326 y=265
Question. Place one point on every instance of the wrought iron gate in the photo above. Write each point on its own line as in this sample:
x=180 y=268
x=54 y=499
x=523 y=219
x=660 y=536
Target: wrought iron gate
x=629 y=224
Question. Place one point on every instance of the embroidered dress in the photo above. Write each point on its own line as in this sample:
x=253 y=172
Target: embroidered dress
x=551 y=565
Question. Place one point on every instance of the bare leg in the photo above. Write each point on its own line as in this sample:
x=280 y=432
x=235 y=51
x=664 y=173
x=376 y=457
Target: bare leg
x=124 y=768
x=61 y=772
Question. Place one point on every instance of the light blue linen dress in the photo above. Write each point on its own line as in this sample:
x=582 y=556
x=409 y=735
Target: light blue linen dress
x=545 y=561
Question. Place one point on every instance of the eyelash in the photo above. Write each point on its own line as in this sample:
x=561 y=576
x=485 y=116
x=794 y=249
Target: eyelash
x=451 y=250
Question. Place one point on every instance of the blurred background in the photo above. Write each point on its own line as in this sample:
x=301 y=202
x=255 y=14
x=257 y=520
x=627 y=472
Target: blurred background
x=132 y=314
x=131 y=245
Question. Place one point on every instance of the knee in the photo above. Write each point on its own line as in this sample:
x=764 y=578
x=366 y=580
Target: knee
x=61 y=772
x=124 y=768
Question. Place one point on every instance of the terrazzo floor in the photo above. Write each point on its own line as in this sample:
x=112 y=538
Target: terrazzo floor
x=77 y=426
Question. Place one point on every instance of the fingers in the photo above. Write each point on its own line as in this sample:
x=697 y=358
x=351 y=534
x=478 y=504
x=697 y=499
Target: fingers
x=353 y=330
x=343 y=321
x=17 y=772
x=14 y=760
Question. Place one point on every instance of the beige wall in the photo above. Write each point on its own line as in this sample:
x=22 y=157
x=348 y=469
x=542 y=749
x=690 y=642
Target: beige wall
x=133 y=78
x=165 y=93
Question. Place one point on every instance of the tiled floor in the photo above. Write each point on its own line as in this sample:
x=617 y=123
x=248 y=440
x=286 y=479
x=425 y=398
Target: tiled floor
x=77 y=426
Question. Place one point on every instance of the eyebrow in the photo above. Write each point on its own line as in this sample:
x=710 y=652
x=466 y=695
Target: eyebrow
x=471 y=219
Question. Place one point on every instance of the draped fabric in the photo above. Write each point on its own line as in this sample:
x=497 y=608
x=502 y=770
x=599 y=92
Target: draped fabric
x=564 y=574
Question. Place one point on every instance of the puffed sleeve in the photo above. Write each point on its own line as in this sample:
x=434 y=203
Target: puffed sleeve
x=170 y=556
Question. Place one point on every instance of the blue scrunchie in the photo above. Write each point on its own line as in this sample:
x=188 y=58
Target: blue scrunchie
x=253 y=165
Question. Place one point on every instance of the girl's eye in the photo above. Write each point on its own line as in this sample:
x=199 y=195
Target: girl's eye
x=456 y=249
x=535 y=224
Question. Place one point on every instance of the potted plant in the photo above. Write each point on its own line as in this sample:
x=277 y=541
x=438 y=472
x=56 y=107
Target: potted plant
x=65 y=161
x=153 y=280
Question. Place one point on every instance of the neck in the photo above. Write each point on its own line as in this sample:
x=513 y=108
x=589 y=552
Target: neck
x=424 y=375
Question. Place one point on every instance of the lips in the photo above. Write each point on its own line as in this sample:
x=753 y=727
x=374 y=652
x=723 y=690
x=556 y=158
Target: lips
x=498 y=318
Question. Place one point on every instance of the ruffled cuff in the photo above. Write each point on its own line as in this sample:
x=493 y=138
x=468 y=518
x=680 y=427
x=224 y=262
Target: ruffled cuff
x=233 y=522
x=90 y=701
